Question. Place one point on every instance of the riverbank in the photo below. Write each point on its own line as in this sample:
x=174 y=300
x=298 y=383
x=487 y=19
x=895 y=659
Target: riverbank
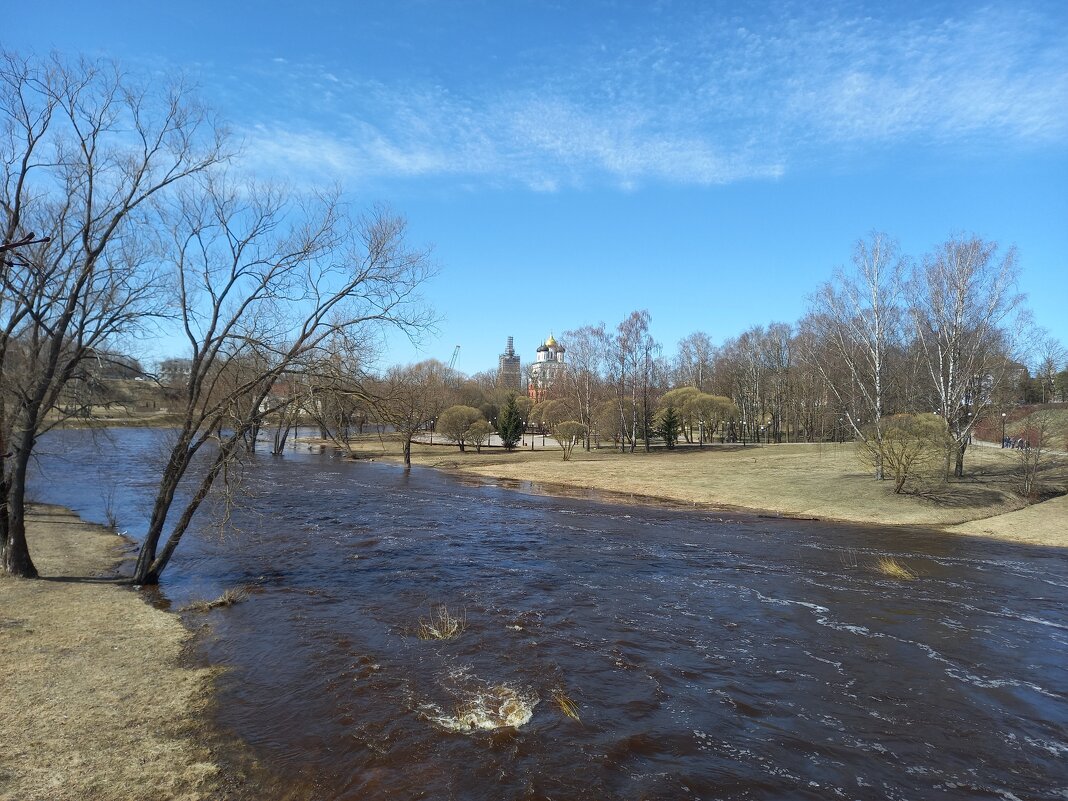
x=824 y=481
x=97 y=703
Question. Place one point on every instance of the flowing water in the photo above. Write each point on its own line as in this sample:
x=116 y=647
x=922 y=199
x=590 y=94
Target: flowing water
x=704 y=655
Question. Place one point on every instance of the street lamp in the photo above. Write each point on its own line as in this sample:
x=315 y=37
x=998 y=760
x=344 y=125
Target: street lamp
x=432 y=422
x=1003 y=429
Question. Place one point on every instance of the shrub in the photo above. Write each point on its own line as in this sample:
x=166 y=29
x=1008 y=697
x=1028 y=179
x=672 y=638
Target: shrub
x=568 y=434
x=910 y=444
x=456 y=421
x=478 y=433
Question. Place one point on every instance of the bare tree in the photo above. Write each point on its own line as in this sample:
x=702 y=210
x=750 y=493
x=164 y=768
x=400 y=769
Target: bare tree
x=965 y=313
x=587 y=347
x=908 y=445
x=336 y=398
x=695 y=360
x=1049 y=356
x=263 y=278
x=633 y=365
x=409 y=398
x=479 y=433
x=85 y=155
x=777 y=352
x=747 y=369
x=855 y=322
x=1037 y=436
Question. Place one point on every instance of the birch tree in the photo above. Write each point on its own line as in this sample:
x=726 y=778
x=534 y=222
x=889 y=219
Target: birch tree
x=695 y=360
x=747 y=370
x=586 y=349
x=856 y=324
x=777 y=352
x=633 y=362
x=966 y=314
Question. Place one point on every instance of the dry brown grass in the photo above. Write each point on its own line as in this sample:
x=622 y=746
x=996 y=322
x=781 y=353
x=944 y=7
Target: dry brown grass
x=1044 y=523
x=892 y=568
x=797 y=480
x=96 y=702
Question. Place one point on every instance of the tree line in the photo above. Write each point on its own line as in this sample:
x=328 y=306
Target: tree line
x=892 y=352
x=890 y=348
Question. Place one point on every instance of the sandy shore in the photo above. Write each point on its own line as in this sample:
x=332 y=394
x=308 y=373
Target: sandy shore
x=96 y=701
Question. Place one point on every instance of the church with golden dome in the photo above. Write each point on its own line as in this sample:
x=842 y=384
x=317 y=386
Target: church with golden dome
x=547 y=370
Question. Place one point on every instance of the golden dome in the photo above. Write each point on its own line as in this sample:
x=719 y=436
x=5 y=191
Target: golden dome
x=550 y=342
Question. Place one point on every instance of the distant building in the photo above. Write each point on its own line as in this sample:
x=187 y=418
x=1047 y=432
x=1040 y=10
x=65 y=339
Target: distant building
x=509 y=374
x=175 y=372
x=547 y=370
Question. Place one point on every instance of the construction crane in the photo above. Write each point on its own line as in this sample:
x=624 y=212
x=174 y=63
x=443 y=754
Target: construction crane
x=455 y=356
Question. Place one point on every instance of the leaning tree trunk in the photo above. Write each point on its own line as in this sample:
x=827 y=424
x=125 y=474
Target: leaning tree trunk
x=407 y=453
x=150 y=566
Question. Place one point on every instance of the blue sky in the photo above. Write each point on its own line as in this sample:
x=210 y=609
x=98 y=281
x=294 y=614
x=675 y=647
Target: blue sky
x=574 y=161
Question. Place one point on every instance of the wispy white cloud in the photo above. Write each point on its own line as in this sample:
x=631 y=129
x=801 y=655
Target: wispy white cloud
x=997 y=74
x=711 y=101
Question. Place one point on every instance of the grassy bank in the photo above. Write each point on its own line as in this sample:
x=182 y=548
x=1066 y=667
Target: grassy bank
x=96 y=702
x=821 y=481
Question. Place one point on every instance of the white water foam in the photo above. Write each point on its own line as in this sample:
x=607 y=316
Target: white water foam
x=488 y=709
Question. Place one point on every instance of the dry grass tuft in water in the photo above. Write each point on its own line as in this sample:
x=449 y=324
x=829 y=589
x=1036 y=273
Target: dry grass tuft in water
x=232 y=596
x=442 y=625
x=892 y=568
x=566 y=705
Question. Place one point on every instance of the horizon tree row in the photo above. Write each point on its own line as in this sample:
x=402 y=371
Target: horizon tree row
x=947 y=334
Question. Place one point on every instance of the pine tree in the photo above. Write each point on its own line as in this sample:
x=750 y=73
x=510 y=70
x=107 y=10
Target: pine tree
x=509 y=424
x=668 y=429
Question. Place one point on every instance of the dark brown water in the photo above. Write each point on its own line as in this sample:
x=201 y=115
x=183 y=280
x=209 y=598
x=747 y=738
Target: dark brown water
x=708 y=656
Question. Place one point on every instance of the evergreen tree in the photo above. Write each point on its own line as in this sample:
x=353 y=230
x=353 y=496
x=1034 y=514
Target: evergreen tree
x=668 y=429
x=509 y=424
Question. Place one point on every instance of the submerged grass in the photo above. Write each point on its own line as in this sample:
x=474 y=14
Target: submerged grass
x=441 y=625
x=892 y=568
x=566 y=705
x=232 y=596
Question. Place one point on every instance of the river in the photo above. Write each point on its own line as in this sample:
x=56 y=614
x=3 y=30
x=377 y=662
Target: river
x=702 y=655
